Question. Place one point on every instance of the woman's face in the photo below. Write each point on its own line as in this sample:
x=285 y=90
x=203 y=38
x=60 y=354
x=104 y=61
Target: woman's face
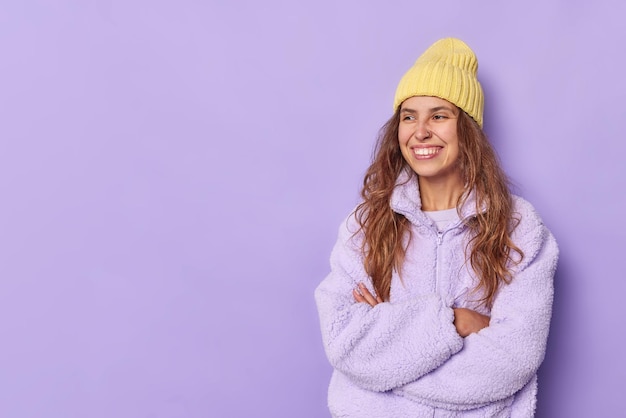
x=428 y=138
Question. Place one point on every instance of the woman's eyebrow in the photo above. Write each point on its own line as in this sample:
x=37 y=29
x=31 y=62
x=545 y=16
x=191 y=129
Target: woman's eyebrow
x=438 y=108
x=431 y=110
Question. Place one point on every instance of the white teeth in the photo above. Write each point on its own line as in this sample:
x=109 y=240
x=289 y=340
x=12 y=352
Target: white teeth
x=425 y=151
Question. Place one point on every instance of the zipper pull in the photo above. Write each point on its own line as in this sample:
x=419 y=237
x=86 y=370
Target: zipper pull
x=439 y=237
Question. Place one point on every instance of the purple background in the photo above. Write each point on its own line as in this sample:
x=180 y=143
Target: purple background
x=173 y=174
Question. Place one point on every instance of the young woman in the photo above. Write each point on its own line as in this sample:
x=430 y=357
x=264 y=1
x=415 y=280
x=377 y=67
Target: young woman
x=439 y=299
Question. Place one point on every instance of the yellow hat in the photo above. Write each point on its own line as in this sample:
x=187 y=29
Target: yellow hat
x=447 y=70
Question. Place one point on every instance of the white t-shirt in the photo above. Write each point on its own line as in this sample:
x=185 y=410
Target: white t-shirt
x=442 y=218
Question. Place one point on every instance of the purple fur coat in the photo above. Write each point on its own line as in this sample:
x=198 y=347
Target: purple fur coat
x=404 y=358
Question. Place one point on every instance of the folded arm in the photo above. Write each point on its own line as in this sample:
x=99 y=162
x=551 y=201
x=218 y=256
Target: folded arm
x=385 y=346
x=499 y=360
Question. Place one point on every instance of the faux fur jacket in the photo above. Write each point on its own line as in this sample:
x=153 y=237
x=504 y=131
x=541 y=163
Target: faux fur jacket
x=404 y=358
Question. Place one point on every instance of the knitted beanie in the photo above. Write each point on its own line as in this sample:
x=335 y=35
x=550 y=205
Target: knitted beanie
x=447 y=70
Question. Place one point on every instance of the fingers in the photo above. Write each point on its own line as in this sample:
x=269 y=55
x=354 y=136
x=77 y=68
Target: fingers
x=363 y=295
x=358 y=297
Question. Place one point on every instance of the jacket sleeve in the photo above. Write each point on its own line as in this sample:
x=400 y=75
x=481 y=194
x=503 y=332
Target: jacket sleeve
x=386 y=346
x=498 y=361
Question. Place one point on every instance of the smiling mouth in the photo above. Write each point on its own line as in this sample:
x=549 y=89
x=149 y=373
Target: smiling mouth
x=426 y=152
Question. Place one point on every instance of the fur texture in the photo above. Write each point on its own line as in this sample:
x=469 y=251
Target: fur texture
x=404 y=358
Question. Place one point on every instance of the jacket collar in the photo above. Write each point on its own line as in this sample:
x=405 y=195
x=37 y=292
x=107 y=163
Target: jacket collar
x=406 y=200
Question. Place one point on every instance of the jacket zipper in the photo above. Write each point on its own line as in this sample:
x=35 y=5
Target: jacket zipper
x=440 y=235
x=438 y=261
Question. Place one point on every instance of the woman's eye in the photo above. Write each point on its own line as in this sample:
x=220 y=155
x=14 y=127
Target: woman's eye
x=408 y=117
x=439 y=117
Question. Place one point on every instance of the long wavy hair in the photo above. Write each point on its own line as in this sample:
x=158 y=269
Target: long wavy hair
x=490 y=249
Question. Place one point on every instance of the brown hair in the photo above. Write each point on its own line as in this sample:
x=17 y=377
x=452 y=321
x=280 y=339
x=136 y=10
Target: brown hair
x=490 y=247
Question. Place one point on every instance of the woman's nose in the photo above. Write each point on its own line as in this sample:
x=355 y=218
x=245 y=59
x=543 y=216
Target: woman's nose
x=422 y=132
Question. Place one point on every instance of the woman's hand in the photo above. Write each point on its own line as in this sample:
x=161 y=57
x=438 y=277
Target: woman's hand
x=361 y=294
x=467 y=321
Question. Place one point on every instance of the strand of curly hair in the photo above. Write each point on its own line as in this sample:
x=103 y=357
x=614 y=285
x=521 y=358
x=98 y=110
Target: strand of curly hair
x=490 y=249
